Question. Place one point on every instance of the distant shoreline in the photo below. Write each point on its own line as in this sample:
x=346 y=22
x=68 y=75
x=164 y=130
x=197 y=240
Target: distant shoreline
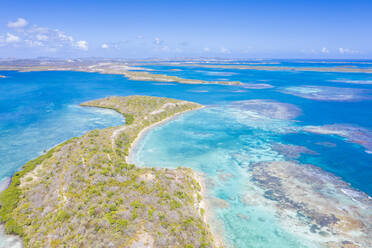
x=133 y=73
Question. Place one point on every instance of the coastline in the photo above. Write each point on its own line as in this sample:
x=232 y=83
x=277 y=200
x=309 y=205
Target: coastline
x=143 y=132
x=18 y=239
x=198 y=176
x=207 y=216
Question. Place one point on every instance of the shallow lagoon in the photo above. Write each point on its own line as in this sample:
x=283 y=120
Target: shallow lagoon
x=225 y=144
x=40 y=109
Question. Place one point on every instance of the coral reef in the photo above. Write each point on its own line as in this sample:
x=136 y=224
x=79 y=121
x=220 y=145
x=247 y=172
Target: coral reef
x=329 y=208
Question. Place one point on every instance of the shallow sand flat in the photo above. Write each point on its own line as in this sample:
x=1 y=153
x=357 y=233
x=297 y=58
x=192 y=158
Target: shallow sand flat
x=348 y=81
x=259 y=86
x=270 y=109
x=327 y=93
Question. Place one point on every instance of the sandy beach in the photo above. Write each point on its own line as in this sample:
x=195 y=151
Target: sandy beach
x=132 y=148
x=208 y=216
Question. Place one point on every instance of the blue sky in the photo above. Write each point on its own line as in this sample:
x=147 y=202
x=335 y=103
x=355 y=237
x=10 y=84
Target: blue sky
x=140 y=29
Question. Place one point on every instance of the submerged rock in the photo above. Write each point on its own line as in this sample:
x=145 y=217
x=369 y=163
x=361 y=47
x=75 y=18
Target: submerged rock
x=351 y=133
x=323 y=203
x=292 y=151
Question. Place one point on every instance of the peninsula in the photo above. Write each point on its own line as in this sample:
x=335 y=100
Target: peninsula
x=83 y=193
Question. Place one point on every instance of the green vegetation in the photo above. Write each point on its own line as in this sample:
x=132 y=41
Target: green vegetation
x=129 y=118
x=83 y=193
x=10 y=197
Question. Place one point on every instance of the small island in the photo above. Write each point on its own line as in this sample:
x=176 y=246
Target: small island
x=146 y=76
x=84 y=193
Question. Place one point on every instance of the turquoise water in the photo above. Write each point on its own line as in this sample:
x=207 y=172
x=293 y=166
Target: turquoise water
x=222 y=147
x=40 y=109
x=222 y=143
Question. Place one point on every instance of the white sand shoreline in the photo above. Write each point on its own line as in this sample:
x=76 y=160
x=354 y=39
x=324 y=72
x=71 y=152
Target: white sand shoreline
x=142 y=133
x=208 y=216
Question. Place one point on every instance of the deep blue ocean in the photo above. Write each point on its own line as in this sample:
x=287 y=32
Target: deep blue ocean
x=41 y=109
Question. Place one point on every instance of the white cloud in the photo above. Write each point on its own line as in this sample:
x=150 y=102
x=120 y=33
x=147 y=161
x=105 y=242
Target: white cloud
x=19 y=23
x=159 y=45
x=41 y=37
x=206 y=49
x=37 y=29
x=63 y=36
x=2 y=41
x=347 y=51
x=225 y=50
x=51 y=40
x=158 y=41
x=32 y=43
x=10 y=38
x=104 y=46
x=82 y=44
x=324 y=50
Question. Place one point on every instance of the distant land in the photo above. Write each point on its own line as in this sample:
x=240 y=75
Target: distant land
x=126 y=69
x=136 y=69
x=146 y=76
x=269 y=67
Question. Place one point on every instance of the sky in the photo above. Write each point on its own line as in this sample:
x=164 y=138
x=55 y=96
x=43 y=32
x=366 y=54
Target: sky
x=337 y=29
